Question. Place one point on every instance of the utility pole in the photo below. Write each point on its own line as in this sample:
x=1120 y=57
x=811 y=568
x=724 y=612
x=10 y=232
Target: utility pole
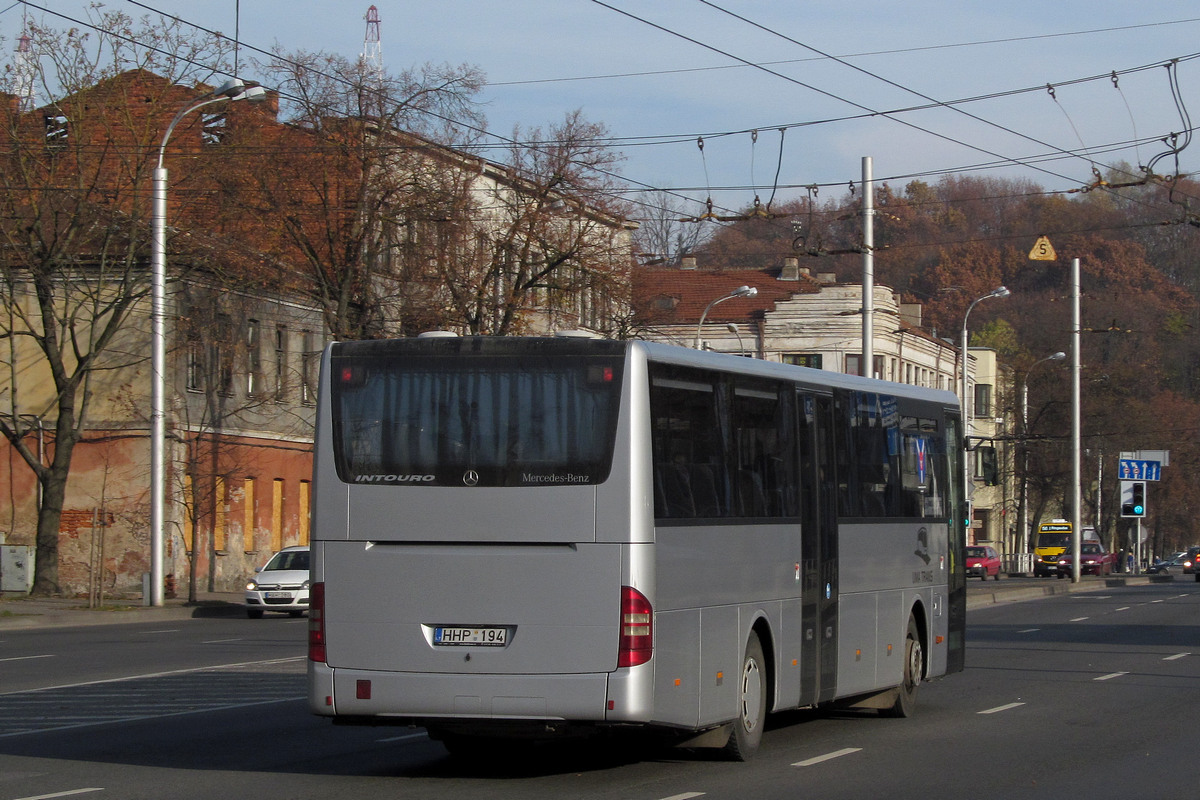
x=868 y=271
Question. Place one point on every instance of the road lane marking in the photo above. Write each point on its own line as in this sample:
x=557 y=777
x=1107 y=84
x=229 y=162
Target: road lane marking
x=26 y=658
x=165 y=630
x=408 y=737
x=159 y=674
x=1110 y=676
x=1123 y=608
x=827 y=757
x=1030 y=630
x=998 y=709
x=1079 y=619
x=67 y=793
x=684 y=796
x=223 y=641
x=1177 y=656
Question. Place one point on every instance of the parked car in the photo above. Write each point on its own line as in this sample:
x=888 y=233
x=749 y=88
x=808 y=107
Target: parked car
x=1093 y=560
x=280 y=585
x=983 y=562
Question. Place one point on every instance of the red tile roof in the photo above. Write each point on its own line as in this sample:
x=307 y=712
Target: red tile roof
x=674 y=296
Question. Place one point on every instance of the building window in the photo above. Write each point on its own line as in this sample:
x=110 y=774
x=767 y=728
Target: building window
x=253 y=359
x=281 y=357
x=195 y=363
x=812 y=360
x=308 y=370
x=854 y=365
x=248 y=517
x=983 y=400
x=214 y=127
x=57 y=129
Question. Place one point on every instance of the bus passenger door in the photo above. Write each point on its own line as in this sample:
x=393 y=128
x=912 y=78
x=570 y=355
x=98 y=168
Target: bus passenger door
x=818 y=551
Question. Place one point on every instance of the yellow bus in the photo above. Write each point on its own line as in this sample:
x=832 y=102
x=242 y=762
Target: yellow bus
x=1053 y=539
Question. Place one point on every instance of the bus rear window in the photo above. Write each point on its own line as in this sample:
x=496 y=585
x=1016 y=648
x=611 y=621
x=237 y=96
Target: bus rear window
x=475 y=420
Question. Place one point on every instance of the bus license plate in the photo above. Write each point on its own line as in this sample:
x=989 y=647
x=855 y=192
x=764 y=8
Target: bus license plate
x=486 y=637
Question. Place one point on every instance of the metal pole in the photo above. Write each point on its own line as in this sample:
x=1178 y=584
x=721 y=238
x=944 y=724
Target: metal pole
x=232 y=89
x=868 y=272
x=1076 y=448
x=158 y=428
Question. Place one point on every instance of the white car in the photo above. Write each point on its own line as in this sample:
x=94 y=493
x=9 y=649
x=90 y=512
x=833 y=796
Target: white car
x=281 y=585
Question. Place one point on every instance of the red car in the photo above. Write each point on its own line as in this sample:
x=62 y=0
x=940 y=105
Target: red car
x=983 y=562
x=1093 y=560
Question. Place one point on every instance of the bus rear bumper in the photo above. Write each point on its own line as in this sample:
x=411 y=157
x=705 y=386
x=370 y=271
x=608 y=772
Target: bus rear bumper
x=412 y=698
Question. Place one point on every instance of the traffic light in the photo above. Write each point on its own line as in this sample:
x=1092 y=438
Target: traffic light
x=1133 y=500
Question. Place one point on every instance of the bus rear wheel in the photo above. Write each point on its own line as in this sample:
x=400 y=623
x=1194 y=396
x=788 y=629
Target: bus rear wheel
x=752 y=705
x=914 y=669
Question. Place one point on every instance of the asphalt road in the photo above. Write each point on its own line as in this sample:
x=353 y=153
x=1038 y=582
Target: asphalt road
x=1076 y=694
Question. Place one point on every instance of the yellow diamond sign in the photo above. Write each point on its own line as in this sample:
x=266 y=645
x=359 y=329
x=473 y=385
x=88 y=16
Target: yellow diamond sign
x=1042 y=250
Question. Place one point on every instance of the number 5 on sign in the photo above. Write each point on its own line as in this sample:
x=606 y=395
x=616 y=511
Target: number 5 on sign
x=1042 y=250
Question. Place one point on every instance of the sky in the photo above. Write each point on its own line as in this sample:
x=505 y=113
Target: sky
x=825 y=83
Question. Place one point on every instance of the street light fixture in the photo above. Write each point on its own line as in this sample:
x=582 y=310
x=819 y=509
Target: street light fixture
x=733 y=328
x=741 y=291
x=967 y=412
x=232 y=89
x=1023 y=522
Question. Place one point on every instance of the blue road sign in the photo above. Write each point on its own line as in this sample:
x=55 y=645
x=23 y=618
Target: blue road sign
x=1129 y=469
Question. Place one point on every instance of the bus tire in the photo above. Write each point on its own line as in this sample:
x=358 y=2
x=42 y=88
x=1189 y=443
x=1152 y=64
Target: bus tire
x=751 y=704
x=914 y=670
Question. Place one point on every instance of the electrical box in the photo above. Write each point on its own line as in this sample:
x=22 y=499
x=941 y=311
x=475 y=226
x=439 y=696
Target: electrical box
x=16 y=568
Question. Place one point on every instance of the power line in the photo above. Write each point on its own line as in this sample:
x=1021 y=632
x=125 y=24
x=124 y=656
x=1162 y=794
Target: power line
x=864 y=54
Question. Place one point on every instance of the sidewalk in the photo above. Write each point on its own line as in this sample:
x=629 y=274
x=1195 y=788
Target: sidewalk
x=19 y=612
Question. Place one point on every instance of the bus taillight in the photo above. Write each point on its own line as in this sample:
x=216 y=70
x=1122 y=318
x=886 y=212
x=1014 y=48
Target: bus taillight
x=637 y=629
x=316 y=622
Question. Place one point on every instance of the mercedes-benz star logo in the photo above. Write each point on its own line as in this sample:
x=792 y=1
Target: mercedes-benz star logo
x=470 y=477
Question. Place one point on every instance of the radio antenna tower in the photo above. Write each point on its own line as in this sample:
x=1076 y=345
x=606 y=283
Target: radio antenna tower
x=372 y=63
x=372 y=55
x=24 y=67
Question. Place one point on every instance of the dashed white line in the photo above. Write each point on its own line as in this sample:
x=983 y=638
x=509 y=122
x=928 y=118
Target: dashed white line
x=684 y=796
x=1110 y=676
x=1079 y=619
x=26 y=658
x=1123 y=608
x=998 y=709
x=67 y=793
x=827 y=757
x=1177 y=656
x=1030 y=630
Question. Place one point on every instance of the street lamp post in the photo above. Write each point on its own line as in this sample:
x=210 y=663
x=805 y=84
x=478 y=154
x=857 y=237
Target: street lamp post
x=232 y=89
x=741 y=291
x=999 y=291
x=1023 y=515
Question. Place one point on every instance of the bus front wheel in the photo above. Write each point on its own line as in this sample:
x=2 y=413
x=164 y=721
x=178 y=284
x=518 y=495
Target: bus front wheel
x=914 y=669
x=752 y=704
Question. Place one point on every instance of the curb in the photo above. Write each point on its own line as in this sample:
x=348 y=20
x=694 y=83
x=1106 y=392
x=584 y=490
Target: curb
x=24 y=613
x=983 y=598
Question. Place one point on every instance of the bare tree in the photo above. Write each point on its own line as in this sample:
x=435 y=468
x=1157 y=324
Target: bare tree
x=541 y=241
x=73 y=182
x=334 y=189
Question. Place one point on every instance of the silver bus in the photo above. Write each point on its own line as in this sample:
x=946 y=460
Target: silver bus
x=541 y=536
